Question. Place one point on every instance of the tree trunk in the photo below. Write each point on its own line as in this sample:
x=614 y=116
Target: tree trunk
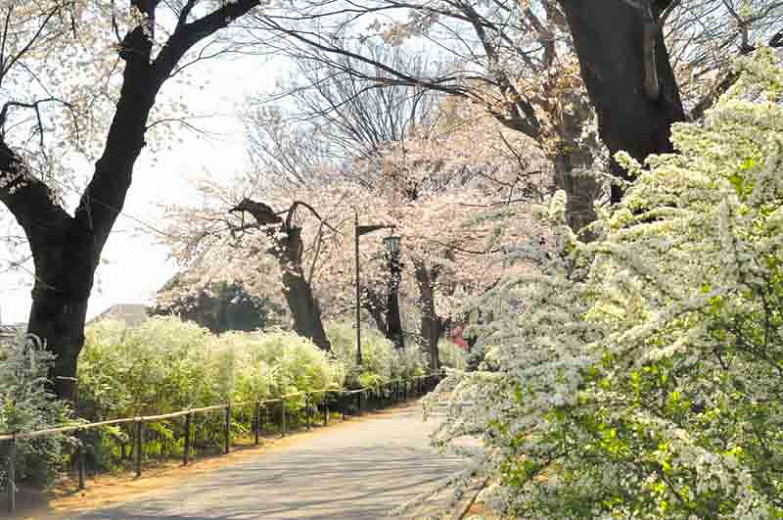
x=572 y=155
x=66 y=248
x=394 y=319
x=304 y=309
x=609 y=36
x=58 y=318
x=298 y=291
x=582 y=191
x=373 y=302
x=289 y=250
x=431 y=325
x=65 y=258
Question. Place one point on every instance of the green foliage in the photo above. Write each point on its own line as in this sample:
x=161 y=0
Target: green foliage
x=27 y=405
x=380 y=360
x=167 y=365
x=451 y=355
x=220 y=307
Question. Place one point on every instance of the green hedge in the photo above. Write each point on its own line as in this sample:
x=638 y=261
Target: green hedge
x=167 y=365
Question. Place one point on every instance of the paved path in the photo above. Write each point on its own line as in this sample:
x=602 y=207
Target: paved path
x=357 y=471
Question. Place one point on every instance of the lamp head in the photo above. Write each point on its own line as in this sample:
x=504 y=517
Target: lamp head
x=392 y=243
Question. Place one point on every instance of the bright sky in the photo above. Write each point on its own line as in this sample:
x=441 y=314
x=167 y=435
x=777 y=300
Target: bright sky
x=134 y=266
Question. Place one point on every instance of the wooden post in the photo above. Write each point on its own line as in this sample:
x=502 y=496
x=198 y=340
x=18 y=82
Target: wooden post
x=11 y=477
x=405 y=391
x=343 y=406
x=359 y=401
x=258 y=421
x=326 y=408
x=80 y=456
x=186 y=451
x=137 y=450
x=228 y=428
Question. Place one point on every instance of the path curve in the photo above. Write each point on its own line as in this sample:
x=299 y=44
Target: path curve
x=362 y=470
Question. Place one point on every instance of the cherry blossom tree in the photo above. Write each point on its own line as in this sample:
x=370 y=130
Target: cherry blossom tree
x=454 y=191
x=514 y=62
x=559 y=72
x=124 y=55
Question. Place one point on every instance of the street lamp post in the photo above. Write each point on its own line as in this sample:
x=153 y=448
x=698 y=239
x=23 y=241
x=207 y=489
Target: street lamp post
x=359 y=231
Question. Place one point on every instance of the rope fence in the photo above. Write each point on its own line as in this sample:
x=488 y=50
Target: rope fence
x=398 y=390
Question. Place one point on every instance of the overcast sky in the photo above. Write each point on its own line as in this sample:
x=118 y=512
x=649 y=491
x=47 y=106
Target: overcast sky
x=134 y=265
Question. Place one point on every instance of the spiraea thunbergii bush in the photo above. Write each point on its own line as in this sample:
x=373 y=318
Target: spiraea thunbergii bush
x=380 y=360
x=641 y=375
x=167 y=365
x=27 y=405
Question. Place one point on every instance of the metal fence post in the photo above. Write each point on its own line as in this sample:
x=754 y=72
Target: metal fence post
x=228 y=428
x=11 y=477
x=80 y=457
x=186 y=450
x=137 y=450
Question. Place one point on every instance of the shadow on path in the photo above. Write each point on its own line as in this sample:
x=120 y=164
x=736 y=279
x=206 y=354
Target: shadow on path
x=361 y=471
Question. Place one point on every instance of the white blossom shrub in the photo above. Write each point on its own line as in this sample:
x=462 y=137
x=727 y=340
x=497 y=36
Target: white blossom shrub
x=380 y=360
x=26 y=404
x=167 y=365
x=640 y=376
x=451 y=355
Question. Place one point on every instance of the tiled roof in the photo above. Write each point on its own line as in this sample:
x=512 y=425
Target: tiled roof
x=133 y=314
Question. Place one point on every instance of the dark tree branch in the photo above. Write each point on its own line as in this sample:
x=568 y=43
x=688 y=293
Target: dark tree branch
x=30 y=200
x=709 y=100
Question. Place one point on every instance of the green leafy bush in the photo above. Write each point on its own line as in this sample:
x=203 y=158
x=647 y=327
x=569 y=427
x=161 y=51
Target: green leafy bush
x=27 y=405
x=380 y=360
x=451 y=355
x=168 y=365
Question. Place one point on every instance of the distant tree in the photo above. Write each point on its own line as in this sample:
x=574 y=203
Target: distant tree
x=288 y=249
x=220 y=307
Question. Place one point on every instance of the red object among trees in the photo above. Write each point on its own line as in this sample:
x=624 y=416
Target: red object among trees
x=458 y=339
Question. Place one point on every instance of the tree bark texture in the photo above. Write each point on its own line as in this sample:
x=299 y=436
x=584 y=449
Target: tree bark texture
x=431 y=323
x=394 y=320
x=582 y=191
x=299 y=293
x=374 y=302
x=609 y=36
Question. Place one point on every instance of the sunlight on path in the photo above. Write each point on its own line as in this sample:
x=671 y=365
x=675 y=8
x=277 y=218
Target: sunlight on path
x=360 y=471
